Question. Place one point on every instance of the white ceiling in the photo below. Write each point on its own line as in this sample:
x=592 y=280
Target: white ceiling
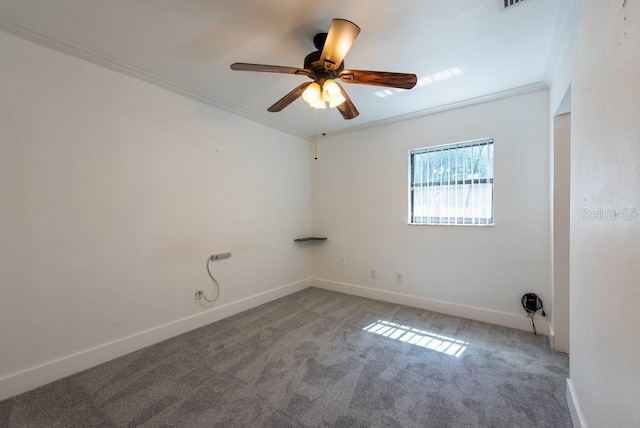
x=188 y=45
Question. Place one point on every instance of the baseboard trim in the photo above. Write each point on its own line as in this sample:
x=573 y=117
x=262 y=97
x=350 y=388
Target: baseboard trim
x=577 y=418
x=520 y=322
x=25 y=380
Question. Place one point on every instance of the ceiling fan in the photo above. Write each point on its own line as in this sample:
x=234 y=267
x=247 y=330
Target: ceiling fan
x=325 y=65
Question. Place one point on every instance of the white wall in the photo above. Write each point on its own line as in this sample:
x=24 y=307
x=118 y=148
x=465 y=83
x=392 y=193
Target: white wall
x=561 y=65
x=560 y=69
x=114 y=192
x=359 y=201
x=605 y=291
x=560 y=187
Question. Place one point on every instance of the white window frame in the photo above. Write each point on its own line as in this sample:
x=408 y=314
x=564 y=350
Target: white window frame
x=467 y=183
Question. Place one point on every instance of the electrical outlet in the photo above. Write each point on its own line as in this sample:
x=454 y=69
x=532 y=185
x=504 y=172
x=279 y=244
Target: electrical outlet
x=399 y=276
x=373 y=273
x=343 y=261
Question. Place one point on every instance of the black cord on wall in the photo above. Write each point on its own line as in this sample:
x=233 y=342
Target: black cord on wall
x=532 y=304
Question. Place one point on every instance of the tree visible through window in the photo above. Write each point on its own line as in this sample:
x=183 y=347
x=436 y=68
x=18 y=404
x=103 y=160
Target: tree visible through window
x=452 y=184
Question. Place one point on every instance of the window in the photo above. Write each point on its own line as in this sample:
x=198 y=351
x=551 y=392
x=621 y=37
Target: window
x=452 y=184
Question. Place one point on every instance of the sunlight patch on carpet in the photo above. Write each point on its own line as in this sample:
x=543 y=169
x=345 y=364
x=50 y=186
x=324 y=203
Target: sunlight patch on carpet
x=414 y=336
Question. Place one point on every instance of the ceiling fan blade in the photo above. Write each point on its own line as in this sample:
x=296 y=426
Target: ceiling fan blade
x=347 y=109
x=341 y=36
x=243 y=66
x=289 y=98
x=379 y=78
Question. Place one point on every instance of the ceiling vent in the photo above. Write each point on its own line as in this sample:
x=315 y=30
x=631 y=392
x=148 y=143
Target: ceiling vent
x=510 y=3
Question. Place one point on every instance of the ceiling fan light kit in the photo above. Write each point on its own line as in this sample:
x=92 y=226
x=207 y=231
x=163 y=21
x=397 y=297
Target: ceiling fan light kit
x=327 y=64
x=319 y=97
x=332 y=94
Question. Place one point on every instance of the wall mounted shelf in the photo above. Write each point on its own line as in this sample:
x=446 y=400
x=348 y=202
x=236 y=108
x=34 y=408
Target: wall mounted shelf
x=310 y=238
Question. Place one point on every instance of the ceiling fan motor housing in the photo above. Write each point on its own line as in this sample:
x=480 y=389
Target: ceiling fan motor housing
x=319 y=40
x=312 y=62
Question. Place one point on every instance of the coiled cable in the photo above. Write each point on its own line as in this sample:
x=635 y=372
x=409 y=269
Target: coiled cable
x=531 y=311
x=215 y=283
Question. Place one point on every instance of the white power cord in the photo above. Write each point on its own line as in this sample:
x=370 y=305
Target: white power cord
x=200 y=293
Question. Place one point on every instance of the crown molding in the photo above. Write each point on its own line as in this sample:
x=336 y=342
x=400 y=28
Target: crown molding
x=42 y=39
x=521 y=90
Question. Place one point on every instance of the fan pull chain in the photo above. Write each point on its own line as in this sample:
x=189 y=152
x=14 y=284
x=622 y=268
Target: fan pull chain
x=315 y=134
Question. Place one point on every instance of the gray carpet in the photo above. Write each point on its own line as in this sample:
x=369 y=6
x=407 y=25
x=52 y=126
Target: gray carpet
x=317 y=359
